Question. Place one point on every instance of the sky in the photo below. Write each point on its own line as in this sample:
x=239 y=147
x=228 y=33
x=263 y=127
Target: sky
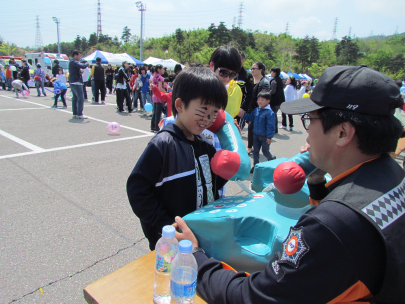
x=163 y=17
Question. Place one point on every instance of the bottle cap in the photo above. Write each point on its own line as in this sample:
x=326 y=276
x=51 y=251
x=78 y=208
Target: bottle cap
x=185 y=246
x=168 y=232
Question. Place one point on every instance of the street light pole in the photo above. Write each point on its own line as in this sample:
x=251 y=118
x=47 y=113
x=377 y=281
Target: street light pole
x=57 y=21
x=142 y=8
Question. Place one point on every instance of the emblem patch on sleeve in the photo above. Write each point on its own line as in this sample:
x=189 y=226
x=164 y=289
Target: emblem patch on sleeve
x=294 y=247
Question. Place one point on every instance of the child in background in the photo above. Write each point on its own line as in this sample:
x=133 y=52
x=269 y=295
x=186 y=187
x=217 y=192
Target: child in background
x=173 y=176
x=60 y=90
x=263 y=127
x=62 y=78
x=19 y=86
x=9 y=77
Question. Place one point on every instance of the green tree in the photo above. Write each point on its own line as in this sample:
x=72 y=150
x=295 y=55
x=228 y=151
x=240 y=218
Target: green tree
x=347 y=51
x=222 y=34
x=78 y=42
x=314 y=53
x=7 y=49
x=397 y=63
x=93 y=39
x=84 y=43
x=115 y=41
x=179 y=37
x=303 y=52
x=126 y=34
x=212 y=37
x=104 y=39
x=380 y=60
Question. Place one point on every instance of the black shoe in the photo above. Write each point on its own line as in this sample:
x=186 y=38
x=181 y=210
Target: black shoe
x=44 y=94
x=253 y=169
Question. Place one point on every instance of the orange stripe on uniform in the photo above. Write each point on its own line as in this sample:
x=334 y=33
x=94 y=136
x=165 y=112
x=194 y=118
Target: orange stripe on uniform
x=346 y=173
x=227 y=267
x=353 y=293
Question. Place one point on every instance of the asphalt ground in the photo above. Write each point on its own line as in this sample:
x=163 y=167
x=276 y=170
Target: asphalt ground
x=65 y=219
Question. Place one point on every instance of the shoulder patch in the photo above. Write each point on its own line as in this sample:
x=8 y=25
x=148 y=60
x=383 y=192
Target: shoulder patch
x=294 y=247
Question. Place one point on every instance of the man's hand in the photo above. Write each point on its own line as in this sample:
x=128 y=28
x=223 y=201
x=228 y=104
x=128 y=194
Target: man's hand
x=187 y=233
x=268 y=141
x=241 y=112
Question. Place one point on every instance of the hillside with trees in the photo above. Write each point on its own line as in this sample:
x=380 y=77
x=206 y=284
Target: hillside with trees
x=301 y=55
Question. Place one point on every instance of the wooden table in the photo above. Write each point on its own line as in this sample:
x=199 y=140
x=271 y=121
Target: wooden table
x=130 y=284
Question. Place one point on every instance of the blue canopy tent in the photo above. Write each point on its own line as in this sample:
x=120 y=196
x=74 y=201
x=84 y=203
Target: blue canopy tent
x=295 y=75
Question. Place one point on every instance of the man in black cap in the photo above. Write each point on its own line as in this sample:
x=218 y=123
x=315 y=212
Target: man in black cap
x=351 y=245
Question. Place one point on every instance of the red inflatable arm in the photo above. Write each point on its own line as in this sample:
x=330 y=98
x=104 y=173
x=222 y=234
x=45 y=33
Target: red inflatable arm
x=289 y=177
x=218 y=122
x=225 y=163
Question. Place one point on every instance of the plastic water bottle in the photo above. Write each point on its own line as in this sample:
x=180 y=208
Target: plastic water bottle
x=183 y=279
x=166 y=249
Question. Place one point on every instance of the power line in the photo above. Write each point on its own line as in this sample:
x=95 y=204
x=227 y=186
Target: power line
x=240 y=19
x=38 y=37
x=99 y=31
x=335 y=30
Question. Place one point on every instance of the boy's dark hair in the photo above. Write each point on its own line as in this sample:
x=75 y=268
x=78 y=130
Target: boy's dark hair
x=152 y=70
x=201 y=83
x=74 y=53
x=226 y=57
x=264 y=94
x=242 y=54
x=142 y=68
x=375 y=134
x=276 y=70
x=98 y=59
x=158 y=67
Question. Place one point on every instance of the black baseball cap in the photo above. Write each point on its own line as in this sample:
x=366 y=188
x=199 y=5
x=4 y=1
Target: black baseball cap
x=354 y=88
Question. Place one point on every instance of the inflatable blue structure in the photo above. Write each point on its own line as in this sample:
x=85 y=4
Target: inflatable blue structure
x=246 y=232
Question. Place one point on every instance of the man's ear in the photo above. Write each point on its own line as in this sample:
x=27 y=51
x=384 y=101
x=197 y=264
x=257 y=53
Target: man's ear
x=346 y=134
x=212 y=68
x=179 y=105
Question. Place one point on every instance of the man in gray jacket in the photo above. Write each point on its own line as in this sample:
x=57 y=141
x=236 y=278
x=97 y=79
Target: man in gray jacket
x=76 y=84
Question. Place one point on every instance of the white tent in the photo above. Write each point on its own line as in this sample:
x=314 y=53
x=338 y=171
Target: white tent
x=111 y=58
x=167 y=63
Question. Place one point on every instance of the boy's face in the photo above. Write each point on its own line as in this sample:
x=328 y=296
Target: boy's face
x=262 y=102
x=196 y=118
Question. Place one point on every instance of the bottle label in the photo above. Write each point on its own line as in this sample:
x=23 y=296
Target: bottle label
x=179 y=290
x=164 y=264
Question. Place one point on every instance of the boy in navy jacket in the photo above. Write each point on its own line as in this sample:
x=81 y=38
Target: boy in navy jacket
x=173 y=176
x=263 y=130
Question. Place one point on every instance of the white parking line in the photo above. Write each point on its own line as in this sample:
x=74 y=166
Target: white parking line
x=21 y=142
x=20 y=109
x=72 y=147
x=103 y=121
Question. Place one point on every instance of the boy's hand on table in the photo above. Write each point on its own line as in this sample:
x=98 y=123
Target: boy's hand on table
x=187 y=233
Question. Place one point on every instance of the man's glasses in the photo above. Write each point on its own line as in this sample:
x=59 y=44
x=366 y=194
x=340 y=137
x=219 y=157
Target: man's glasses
x=226 y=73
x=306 y=120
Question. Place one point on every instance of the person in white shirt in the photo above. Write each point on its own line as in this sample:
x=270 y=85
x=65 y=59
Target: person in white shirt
x=85 y=76
x=290 y=93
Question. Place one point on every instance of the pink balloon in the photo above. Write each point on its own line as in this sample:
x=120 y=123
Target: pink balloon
x=113 y=127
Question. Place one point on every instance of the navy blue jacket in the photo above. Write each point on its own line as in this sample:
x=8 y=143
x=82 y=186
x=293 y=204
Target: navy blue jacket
x=74 y=70
x=263 y=119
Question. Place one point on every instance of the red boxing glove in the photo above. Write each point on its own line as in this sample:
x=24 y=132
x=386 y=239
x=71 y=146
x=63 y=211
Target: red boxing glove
x=288 y=177
x=225 y=163
x=218 y=122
